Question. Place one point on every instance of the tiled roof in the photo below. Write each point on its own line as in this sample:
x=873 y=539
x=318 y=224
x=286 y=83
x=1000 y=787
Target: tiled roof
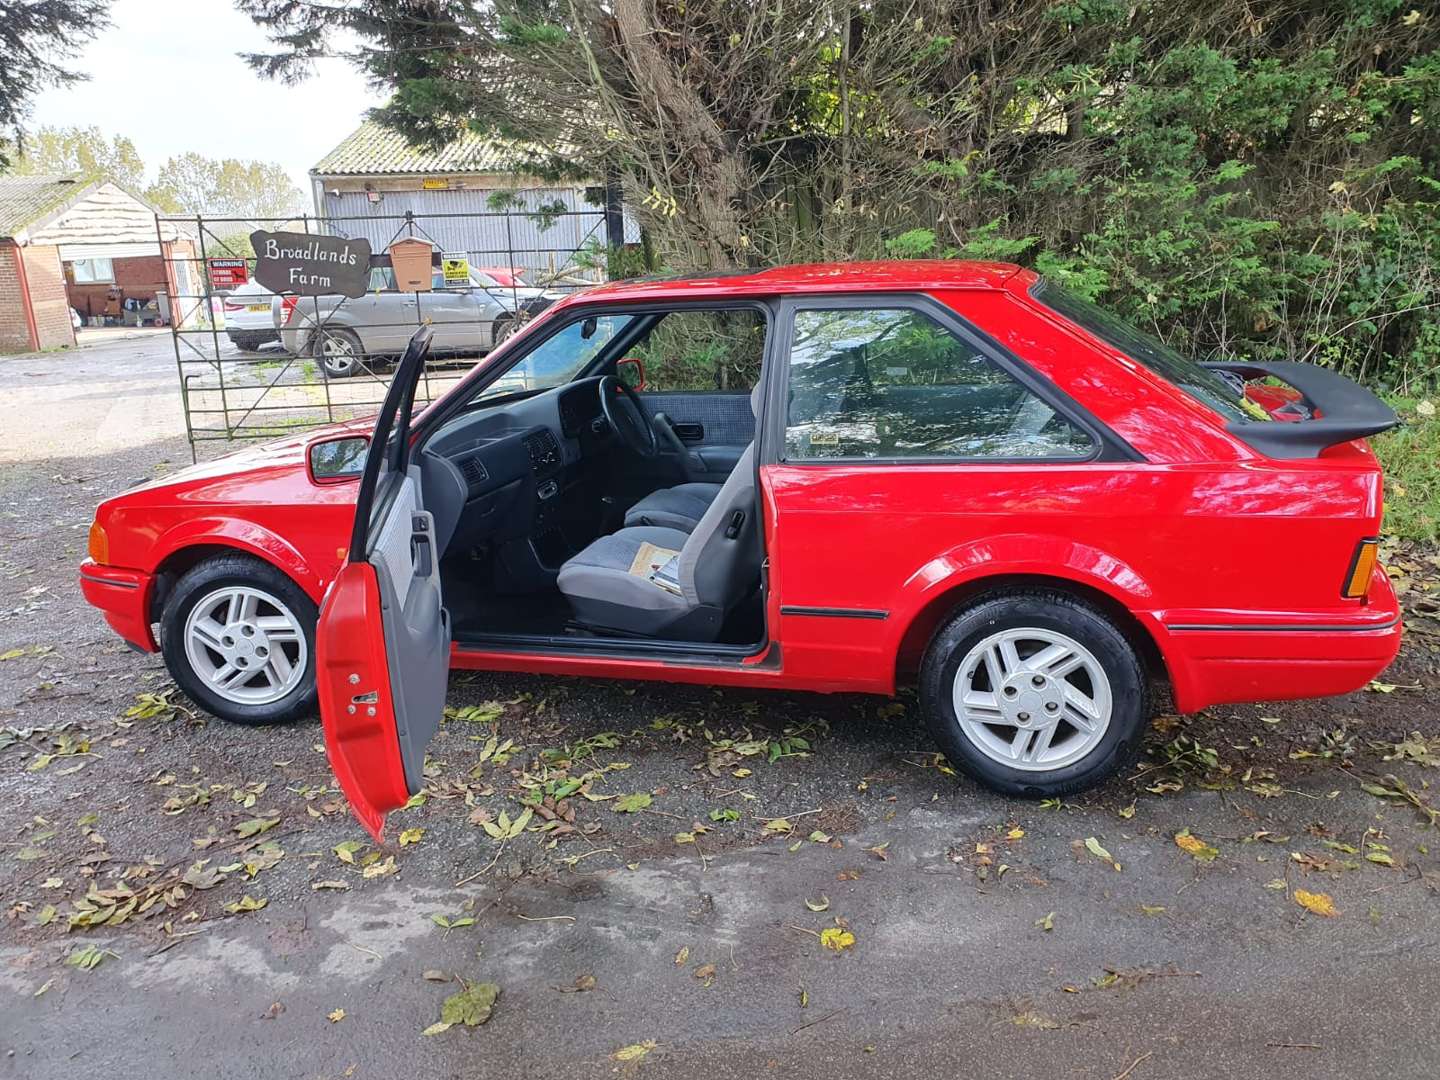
x=30 y=200
x=372 y=150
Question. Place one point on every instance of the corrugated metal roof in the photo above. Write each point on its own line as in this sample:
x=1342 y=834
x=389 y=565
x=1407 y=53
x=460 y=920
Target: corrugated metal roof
x=28 y=200
x=372 y=150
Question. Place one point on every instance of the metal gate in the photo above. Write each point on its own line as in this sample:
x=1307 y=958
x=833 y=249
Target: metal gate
x=254 y=365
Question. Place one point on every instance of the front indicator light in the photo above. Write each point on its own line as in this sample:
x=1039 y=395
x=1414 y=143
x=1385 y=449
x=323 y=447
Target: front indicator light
x=99 y=544
x=1357 y=581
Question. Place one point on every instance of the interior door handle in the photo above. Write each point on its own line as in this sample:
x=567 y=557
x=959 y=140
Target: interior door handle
x=422 y=551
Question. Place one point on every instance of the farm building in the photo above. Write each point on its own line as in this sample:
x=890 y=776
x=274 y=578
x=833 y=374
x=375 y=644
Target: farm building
x=88 y=245
x=464 y=197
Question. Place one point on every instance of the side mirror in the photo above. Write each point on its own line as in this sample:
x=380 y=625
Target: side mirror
x=338 y=459
x=631 y=371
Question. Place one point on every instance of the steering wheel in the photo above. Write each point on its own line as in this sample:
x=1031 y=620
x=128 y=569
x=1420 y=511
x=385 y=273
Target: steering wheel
x=626 y=416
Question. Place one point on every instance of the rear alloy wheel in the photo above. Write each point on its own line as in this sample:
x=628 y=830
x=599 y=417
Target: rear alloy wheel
x=239 y=638
x=1034 y=694
x=502 y=328
x=339 y=352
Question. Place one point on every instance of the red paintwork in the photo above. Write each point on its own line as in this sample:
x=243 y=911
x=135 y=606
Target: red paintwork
x=1205 y=531
x=359 y=738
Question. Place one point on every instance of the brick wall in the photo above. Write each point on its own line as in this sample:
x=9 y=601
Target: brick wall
x=51 y=306
x=14 y=330
x=138 y=277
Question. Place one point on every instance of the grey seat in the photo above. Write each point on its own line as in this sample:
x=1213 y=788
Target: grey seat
x=716 y=567
x=679 y=507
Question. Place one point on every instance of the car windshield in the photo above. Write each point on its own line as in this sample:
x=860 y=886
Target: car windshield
x=559 y=358
x=1199 y=382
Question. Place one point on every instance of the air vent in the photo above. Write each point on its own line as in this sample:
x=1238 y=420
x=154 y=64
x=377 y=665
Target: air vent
x=474 y=473
x=544 y=451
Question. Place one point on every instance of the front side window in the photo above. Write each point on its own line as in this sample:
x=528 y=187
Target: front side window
x=560 y=357
x=1200 y=383
x=91 y=271
x=894 y=383
x=703 y=350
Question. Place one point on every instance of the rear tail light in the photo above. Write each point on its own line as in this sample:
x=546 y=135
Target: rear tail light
x=1357 y=581
x=230 y=305
x=287 y=307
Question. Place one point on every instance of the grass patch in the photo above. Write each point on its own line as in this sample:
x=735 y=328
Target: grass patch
x=1411 y=457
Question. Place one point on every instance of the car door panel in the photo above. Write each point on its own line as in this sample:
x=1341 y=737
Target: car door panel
x=383 y=636
x=714 y=427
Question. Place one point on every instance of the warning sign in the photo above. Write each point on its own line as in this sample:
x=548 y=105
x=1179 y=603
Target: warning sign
x=456 y=268
x=227 y=273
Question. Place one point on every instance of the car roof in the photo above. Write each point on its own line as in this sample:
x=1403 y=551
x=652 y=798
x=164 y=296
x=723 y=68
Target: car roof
x=895 y=275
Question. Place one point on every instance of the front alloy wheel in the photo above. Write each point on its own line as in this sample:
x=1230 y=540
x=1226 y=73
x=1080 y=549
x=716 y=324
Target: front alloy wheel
x=239 y=638
x=246 y=644
x=1034 y=693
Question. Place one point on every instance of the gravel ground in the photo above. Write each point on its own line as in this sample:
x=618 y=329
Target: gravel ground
x=670 y=918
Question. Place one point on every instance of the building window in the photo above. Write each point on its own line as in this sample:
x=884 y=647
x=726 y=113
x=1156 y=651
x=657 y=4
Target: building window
x=893 y=383
x=93 y=271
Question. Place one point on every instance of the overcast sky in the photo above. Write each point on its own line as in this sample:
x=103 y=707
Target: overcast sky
x=166 y=75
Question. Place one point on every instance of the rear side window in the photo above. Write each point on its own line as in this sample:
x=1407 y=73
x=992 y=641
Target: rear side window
x=1200 y=383
x=894 y=383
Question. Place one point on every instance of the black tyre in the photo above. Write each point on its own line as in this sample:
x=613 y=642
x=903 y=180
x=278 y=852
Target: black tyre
x=250 y=342
x=1035 y=694
x=502 y=328
x=339 y=352
x=239 y=638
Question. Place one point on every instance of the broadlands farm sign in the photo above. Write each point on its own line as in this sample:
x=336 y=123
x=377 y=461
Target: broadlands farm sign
x=306 y=264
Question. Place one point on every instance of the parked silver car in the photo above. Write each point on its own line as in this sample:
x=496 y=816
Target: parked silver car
x=346 y=333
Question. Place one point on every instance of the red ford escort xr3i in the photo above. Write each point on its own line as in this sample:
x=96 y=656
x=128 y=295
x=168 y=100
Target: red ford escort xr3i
x=955 y=470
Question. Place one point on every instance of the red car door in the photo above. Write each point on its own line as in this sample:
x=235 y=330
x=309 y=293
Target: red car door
x=383 y=639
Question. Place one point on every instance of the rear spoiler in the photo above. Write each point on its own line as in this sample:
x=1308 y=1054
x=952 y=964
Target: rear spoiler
x=1346 y=410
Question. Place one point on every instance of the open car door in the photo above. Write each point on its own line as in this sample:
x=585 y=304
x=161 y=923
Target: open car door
x=383 y=639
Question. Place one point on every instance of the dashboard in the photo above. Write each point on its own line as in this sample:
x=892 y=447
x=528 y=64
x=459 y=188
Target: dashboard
x=494 y=473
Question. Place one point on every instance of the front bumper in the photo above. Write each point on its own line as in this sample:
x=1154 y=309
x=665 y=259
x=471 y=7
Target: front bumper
x=124 y=597
x=1221 y=658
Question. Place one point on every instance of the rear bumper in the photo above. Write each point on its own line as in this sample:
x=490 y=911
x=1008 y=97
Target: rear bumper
x=1217 y=660
x=123 y=596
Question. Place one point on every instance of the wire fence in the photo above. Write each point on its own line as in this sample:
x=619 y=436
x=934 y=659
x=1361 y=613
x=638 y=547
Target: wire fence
x=253 y=364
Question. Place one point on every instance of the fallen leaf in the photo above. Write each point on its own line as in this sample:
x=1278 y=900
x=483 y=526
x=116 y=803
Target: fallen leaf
x=1319 y=903
x=244 y=904
x=582 y=984
x=630 y=804
x=1047 y=923
x=832 y=937
x=339 y=885
x=705 y=971
x=471 y=1006
x=682 y=955
x=255 y=826
x=410 y=836
x=336 y=1016
x=1196 y=847
x=818 y=905
x=635 y=1051
x=346 y=852
x=1093 y=846
x=435 y=975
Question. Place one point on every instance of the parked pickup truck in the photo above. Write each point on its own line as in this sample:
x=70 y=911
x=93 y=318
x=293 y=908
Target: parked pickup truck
x=344 y=333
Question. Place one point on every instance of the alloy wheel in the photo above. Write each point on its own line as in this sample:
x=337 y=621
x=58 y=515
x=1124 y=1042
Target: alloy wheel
x=1032 y=699
x=337 y=354
x=246 y=645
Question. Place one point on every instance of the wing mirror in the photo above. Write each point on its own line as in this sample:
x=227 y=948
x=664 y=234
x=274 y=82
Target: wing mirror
x=631 y=371
x=337 y=459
